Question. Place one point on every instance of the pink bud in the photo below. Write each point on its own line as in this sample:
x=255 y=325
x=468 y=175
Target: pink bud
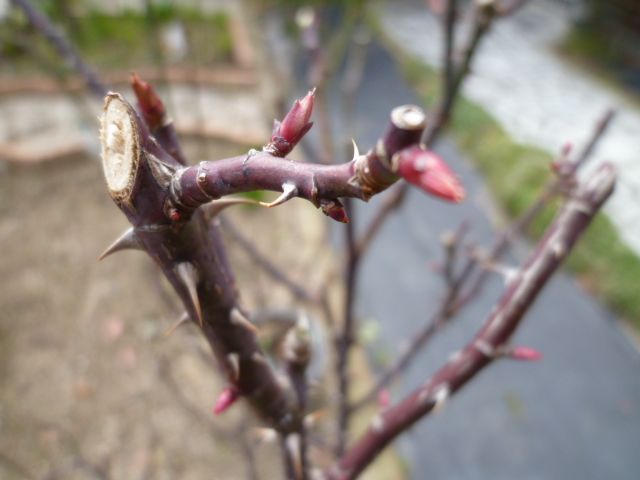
x=384 y=398
x=227 y=397
x=296 y=123
x=428 y=171
x=335 y=210
x=149 y=102
x=526 y=354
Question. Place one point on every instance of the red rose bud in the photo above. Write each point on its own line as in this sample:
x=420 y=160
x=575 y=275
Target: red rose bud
x=149 y=102
x=428 y=171
x=226 y=398
x=526 y=354
x=296 y=123
x=335 y=210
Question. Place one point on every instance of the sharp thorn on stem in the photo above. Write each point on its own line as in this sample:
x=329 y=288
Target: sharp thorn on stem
x=215 y=207
x=234 y=365
x=312 y=419
x=289 y=190
x=264 y=435
x=184 y=318
x=127 y=241
x=238 y=319
x=356 y=151
x=189 y=277
x=294 y=448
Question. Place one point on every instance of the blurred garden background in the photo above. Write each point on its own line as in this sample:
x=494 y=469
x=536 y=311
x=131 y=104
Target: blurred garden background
x=89 y=385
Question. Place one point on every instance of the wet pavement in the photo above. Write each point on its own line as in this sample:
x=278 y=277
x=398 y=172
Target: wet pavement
x=576 y=414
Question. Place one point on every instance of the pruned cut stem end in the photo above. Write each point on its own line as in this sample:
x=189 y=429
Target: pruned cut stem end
x=409 y=117
x=120 y=146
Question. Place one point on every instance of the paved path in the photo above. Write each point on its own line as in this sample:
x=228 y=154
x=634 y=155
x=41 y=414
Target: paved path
x=576 y=414
x=550 y=102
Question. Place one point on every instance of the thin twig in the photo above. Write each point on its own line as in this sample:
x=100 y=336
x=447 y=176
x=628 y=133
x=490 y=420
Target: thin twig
x=493 y=337
x=451 y=83
x=352 y=79
x=466 y=286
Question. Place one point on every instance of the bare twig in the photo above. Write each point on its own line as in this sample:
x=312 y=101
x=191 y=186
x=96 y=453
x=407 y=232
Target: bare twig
x=466 y=286
x=523 y=222
x=449 y=20
x=496 y=332
x=451 y=82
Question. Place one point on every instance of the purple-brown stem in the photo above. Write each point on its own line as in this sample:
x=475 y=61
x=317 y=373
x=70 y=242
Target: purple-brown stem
x=191 y=256
x=524 y=221
x=450 y=13
x=494 y=335
x=360 y=178
x=464 y=286
x=344 y=339
x=451 y=83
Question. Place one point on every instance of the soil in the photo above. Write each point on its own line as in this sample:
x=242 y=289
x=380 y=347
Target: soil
x=89 y=386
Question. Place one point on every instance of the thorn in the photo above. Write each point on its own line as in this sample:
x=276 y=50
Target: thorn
x=127 y=241
x=161 y=171
x=226 y=399
x=258 y=357
x=289 y=190
x=264 y=435
x=303 y=323
x=312 y=419
x=184 y=318
x=237 y=318
x=214 y=208
x=356 y=151
x=234 y=365
x=293 y=446
x=189 y=277
x=508 y=273
x=440 y=397
x=377 y=423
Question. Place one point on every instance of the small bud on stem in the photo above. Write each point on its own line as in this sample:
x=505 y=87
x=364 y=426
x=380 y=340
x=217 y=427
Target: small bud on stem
x=226 y=399
x=149 y=102
x=294 y=126
x=428 y=171
x=526 y=354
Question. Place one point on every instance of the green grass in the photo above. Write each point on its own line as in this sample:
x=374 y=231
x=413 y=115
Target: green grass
x=127 y=40
x=516 y=174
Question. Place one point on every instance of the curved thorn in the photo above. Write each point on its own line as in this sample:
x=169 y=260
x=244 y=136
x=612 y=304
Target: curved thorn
x=189 y=277
x=293 y=445
x=238 y=319
x=234 y=365
x=184 y=318
x=214 y=208
x=127 y=241
x=356 y=151
x=289 y=190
